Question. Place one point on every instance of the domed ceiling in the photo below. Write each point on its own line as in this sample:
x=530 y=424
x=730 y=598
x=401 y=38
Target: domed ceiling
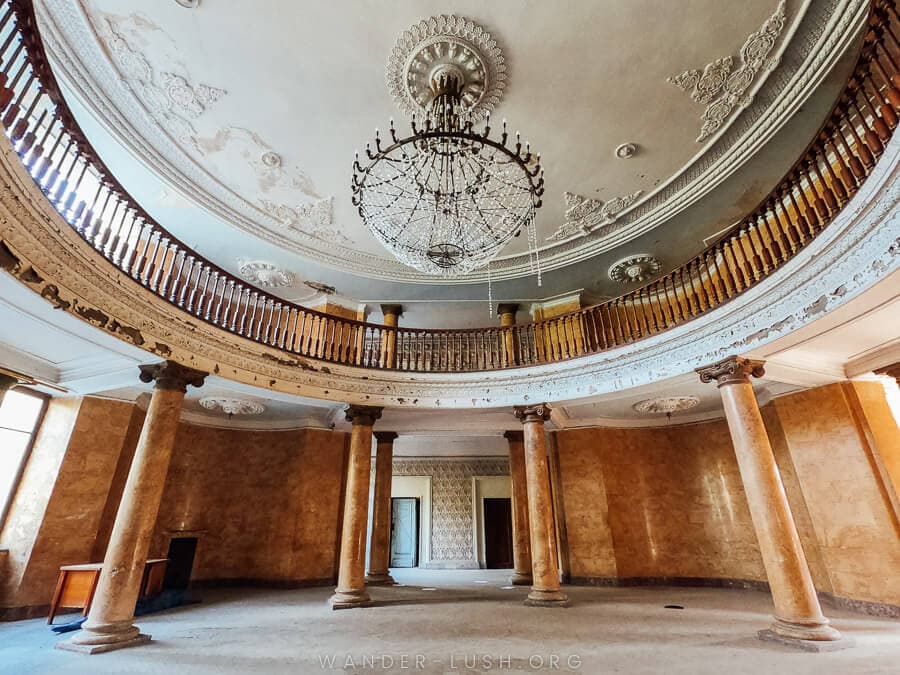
x=235 y=123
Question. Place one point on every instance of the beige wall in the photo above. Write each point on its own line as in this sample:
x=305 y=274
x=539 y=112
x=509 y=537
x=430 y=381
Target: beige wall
x=265 y=505
x=668 y=502
x=656 y=502
x=57 y=509
x=268 y=503
x=850 y=508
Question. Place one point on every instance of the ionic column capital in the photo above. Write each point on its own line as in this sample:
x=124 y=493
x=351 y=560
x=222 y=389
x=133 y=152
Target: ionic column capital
x=539 y=412
x=732 y=370
x=385 y=436
x=364 y=415
x=172 y=376
x=517 y=436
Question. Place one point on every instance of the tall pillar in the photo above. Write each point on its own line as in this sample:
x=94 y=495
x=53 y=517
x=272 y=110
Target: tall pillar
x=521 y=534
x=351 y=588
x=109 y=623
x=798 y=617
x=507 y=313
x=392 y=314
x=380 y=549
x=544 y=561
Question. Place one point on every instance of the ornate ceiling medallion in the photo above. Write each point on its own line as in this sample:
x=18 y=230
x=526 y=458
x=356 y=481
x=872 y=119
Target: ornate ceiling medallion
x=233 y=406
x=451 y=43
x=666 y=405
x=638 y=267
x=265 y=274
x=626 y=151
x=446 y=199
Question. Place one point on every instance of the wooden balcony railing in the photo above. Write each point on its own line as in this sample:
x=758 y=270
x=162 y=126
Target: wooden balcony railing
x=62 y=162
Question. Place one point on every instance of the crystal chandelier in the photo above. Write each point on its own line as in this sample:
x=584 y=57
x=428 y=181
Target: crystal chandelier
x=447 y=198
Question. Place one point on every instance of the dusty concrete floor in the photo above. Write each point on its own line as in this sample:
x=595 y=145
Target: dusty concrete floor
x=461 y=628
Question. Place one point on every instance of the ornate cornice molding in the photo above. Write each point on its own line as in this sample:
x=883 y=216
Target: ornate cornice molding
x=171 y=376
x=859 y=248
x=733 y=370
x=818 y=35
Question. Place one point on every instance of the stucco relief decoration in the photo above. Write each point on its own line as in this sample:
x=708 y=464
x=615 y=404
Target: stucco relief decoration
x=584 y=214
x=169 y=97
x=315 y=219
x=723 y=85
x=265 y=274
x=637 y=267
x=451 y=41
x=232 y=406
x=666 y=405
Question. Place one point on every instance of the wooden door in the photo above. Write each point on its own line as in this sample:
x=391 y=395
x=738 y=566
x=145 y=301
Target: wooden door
x=498 y=546
x=404 y=532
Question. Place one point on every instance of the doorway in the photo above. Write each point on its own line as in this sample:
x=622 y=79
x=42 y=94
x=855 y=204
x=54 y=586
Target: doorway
x=404 y=532
x=181 y=562
x=498 y=544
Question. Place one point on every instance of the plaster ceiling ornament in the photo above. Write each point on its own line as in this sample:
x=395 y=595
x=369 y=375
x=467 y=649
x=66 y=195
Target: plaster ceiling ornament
x=626 y=151
x=314 y=219
x=720 y=86
x=168 y=97
x=666 y=405
x=233 y=406
x=446 y=42
x=637 y=267
x=584 y=214
x=448 y=198
x=270 y=159
x=265 y=274
x=189 y=4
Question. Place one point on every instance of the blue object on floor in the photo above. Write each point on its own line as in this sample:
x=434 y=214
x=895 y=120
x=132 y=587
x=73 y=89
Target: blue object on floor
x=69 y=627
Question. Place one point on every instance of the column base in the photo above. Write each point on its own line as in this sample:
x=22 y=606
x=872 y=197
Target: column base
x=379 y=580
x=546 y=599
x=769 y=635
x=96 y=647
x=350 y=599
x=520 y=579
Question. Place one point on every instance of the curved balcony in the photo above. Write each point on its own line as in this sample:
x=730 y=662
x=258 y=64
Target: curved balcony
x=87 y=196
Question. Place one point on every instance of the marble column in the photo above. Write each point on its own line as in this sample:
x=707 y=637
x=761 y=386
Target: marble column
x=351 y=587
x=507 y=313
x=109 y=622
x=545 y=590
x=798 y=617
x=7 y=382
x=392 y=314
x=521 y=534
x=380 y=548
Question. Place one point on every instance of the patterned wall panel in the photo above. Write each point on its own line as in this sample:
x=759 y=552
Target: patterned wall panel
x=451 y=505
